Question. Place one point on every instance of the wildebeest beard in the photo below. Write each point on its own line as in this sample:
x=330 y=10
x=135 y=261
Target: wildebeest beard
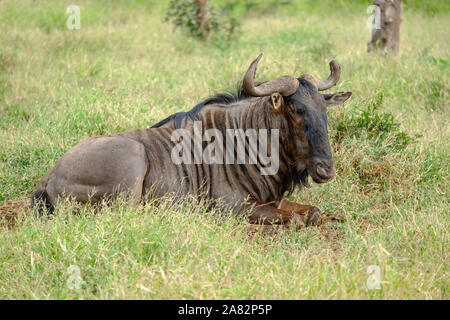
x=299 y=179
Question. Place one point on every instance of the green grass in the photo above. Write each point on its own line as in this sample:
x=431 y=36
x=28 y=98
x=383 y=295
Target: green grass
x=126 y=68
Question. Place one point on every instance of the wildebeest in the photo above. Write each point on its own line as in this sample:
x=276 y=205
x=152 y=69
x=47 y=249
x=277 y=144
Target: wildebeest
x=135 y=162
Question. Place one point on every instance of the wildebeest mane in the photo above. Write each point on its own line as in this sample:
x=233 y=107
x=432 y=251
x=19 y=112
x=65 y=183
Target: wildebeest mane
x=220 y=98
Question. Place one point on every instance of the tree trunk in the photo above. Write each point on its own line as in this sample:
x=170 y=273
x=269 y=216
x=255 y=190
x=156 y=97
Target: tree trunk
x=386 y=34
x=204 y=17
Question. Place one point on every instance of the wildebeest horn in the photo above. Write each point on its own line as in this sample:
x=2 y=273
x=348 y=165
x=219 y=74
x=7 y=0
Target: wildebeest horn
x=285 y=85
x=328 y=83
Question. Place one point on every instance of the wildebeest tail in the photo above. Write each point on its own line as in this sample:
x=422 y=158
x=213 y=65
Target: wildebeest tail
x=41 y=200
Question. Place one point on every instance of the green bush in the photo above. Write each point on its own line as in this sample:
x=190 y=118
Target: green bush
x=223 y=23
x=374 y=125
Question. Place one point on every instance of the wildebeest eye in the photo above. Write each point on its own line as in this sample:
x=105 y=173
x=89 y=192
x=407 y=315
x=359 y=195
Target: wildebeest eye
x=300 y=111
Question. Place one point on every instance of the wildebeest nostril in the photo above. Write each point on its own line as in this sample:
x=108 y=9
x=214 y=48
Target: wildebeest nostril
x=325 y=172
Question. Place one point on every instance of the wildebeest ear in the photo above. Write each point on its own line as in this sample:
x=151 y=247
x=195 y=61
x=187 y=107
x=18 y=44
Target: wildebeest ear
x=336 y=98
x=276 y=100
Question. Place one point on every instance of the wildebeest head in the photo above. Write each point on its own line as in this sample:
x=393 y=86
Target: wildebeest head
x=306 y=109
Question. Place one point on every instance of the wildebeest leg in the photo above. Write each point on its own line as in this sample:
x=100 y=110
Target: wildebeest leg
x=312 y=213
x=267 y=214
x=98 y=168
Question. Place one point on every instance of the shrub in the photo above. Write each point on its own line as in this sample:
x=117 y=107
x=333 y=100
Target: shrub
x=222 y=23
x=185 y=14
x=374 y=125
x=370 y=146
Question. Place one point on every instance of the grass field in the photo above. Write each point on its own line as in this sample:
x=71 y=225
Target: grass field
x=126 y=68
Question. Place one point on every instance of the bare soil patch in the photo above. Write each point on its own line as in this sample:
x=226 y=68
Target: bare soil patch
x=10 y=211
x=325 y=227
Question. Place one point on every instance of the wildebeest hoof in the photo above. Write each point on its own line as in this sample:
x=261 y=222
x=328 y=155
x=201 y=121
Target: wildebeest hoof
x=313 y=217
x=295 y=222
